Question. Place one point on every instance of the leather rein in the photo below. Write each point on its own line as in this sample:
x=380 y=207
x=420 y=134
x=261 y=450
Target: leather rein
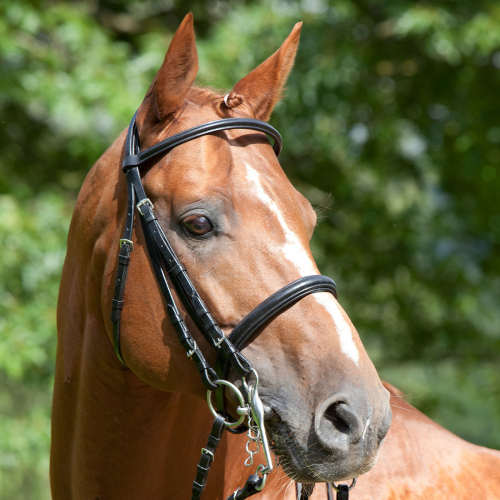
x=166 y=263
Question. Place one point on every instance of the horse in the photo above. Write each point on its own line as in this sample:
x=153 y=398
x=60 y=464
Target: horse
x=419 y=460
x=129 y=416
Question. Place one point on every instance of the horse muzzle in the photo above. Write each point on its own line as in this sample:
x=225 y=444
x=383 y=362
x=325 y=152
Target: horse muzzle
x=341 y=440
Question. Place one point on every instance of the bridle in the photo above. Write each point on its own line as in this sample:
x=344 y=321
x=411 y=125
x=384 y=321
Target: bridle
x=165 y=262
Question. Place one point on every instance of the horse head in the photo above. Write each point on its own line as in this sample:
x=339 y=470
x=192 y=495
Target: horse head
x=242 y=232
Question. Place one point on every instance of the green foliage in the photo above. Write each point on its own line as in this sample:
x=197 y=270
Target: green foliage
x=33 y=242
x=390 y=128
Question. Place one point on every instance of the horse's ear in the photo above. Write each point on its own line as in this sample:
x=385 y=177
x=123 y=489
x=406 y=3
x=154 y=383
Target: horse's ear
x=177 y=73
x=261 y=89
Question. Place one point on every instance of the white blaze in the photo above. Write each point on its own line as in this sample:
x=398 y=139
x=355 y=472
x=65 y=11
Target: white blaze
x=295 y=252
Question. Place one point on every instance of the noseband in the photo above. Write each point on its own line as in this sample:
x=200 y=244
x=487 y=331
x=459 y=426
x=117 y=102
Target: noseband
x=166 y=263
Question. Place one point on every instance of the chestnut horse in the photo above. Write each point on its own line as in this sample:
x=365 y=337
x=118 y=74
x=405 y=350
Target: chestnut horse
x=419 y=460
x=242 y=231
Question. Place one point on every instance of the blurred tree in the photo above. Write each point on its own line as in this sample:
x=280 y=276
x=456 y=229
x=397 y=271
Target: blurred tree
x=33 y=241
x=390 y=128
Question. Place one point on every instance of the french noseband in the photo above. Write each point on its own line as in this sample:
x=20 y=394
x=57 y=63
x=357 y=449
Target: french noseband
x=166 y=263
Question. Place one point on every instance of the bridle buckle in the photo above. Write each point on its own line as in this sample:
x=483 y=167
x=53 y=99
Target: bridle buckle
x=208 y=452
x=144 y=202
x=124 y=241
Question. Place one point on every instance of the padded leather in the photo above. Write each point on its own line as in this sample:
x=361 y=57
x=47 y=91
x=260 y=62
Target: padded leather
x=277 y=303
x=136 y=160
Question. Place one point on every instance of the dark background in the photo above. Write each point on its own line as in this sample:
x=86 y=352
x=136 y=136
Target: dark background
x=391 y=129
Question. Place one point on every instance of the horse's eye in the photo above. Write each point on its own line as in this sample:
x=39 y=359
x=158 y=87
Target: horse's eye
x=197 y=225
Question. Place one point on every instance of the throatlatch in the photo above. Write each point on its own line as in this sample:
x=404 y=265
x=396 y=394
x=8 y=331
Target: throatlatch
x=166 y=263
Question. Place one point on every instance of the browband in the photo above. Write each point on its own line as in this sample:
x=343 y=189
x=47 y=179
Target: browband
x=136 y=160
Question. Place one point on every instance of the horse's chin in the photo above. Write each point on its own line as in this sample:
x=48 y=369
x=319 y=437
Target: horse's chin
x=311 y=464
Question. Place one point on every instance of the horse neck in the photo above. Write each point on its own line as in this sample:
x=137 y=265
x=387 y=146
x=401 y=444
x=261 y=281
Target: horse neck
x=108 y=420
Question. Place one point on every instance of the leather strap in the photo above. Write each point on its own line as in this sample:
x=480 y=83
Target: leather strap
x=342 y=492
x=138 y=159
x=118 y=302
x=126 y=246
x=176 y=319
x=207 y=457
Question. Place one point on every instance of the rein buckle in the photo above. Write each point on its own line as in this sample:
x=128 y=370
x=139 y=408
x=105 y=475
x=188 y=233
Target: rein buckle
x=208 y=452
x=124 y=241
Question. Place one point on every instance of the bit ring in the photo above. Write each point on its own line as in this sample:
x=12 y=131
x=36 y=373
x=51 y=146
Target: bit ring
x=238 y=395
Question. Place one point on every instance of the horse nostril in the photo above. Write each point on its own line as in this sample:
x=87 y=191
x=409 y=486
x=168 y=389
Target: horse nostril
x=337 y=425
x=336 y=417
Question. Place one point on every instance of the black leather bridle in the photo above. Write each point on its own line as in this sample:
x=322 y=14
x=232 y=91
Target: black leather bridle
x=165 y=262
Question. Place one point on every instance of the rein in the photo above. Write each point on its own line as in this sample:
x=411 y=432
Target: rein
x=165 y=262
